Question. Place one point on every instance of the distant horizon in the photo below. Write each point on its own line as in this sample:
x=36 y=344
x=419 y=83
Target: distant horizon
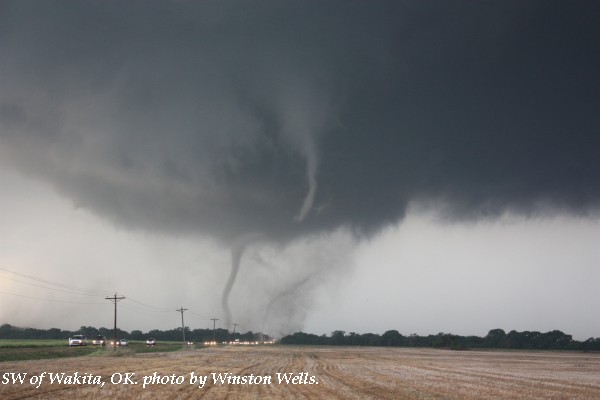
x=309 y=333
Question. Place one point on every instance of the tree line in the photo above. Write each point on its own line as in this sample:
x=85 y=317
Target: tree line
x=496 y=338
x=196 y=335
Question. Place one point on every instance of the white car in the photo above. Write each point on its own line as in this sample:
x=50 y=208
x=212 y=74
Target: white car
x=78 y=340
x=99 y=341
x=150 y=342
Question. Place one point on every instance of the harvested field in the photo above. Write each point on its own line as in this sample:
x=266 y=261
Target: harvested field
x=341 y=373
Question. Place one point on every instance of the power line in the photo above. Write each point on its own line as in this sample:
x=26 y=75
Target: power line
x=141 y=310
x=115 y=300
x=39 y=298
x=146 y=308
x=214 y=320
x=49 y=288
x=169 y=309
x=181 y=310
x=62 y=285
x=199 y=316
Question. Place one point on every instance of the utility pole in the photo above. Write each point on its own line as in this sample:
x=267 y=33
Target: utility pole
x=115 y=299
x=181 y=310
x=214 y=320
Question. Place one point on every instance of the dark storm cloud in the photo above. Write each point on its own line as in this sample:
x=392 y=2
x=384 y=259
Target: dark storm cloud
x=283 y=118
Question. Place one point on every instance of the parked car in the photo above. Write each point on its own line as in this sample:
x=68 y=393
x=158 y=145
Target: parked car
x=150 y=342
x=78 y=340
x=99 y=341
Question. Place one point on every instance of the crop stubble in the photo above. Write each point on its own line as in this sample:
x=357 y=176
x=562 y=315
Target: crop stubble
x=342 y=373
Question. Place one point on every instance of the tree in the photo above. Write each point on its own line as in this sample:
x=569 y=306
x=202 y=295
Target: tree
x=591 y=344
x=353 y=339
x=337 y=337
x=496 y=338
x=514 y=340
x=89 y=331
x=55 y=333
x=447 y=340
x=553 y=340
x=136 y=335
x=392 y=338
x=371 y=339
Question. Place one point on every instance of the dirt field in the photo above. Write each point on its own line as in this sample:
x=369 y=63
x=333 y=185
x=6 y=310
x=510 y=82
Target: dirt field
x=339 y=372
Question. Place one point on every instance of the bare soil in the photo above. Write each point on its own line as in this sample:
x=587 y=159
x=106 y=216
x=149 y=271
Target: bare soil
x=341 y=373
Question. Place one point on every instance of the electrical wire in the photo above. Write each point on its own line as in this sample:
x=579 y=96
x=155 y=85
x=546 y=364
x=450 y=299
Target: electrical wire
x=151 y=306
x=145 y=308
x=58 y=284
x=143 y=311
x=54 y=300
x=204 y=317
x=46 y=287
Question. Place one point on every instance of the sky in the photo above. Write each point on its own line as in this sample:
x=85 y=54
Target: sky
x=345 y=165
